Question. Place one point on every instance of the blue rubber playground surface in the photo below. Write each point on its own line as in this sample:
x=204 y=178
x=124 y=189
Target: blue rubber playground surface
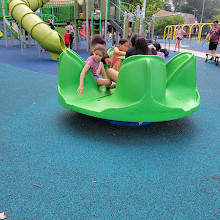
x=59 y=164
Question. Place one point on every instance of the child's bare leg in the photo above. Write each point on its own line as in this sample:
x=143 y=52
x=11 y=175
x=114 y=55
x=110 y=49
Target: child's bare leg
x=213 y=52
x=117 y=65
x=99 y=68
x=179 y=45
x=176 y=45
x=112 y=74
x=102 y=71
x=106 y=82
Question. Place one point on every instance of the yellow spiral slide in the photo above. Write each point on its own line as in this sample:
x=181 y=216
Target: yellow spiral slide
x=23 y=12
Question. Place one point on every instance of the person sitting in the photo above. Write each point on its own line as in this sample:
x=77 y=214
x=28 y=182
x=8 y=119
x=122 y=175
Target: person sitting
x=152 y=49
x=119 y=51
x=94 y=64
x=131 y=51
x=97 y=39
x=141 y=48
x=158 y=48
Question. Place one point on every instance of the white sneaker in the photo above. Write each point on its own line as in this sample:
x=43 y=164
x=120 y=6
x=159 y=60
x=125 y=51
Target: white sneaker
x=112 y=86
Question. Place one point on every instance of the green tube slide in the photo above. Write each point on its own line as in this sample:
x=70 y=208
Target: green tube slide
x=50 y=40
x=148 y=90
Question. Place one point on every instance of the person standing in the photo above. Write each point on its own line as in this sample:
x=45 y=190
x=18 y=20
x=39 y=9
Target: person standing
x=70 y=30
x=179 y=36
x=130 y=22
x=147 y=35
x=51 y=23
x=66 y=39
x=214 y=35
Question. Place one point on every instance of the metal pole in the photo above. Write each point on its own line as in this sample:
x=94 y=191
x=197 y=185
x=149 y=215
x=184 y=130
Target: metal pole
x=144 y=9
x=125 y=17
x=119 y=10
x=203 y=6
x=52 y=12
x=117 y=37
x=12 y=36
x=87 y=26
x=22 y=49
x=39 y=50
x=29 y=40
x=5 y=28
x=76 y=35
x=143 y=14
x=152 y=30
x=106 y=18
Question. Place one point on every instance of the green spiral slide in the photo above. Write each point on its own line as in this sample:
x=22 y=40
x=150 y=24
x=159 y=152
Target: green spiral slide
x=23 y=12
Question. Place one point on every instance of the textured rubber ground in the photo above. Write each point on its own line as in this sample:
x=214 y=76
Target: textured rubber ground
x=85 y=168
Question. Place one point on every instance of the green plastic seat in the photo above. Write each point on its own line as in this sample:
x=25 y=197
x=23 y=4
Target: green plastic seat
x=148 y=90
x=110 y=51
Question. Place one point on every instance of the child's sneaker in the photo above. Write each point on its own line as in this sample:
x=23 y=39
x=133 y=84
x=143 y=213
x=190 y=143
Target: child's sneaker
x=112 y=86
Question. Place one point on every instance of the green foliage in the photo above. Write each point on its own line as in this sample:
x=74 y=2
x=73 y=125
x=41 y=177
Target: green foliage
x=187 y=6
x=217 y=17
x=134 y=2
x=167 y=6
x=172 y=20
x=152 y=7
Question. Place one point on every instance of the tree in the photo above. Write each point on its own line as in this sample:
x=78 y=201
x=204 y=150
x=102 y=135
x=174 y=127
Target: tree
x=217 y=17
x=171 y=20
x=167 y=6
x=152 y=7
x=186 y=6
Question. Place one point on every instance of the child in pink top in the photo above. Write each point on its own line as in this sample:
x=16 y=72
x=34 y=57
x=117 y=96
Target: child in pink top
x=119 y=51
x=179 y=35
x=94 y=64
x=158 y=47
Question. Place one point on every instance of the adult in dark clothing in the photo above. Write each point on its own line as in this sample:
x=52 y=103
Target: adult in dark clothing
x=70 y=30
x=141 y=48
x=131 y=51
x=214 y=35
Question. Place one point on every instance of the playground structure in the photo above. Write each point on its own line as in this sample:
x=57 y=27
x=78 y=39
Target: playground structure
x=24 y=18
x=19 y=17
x=98 y=18
x=61 y=10
x=160 y=92
x=169 y=30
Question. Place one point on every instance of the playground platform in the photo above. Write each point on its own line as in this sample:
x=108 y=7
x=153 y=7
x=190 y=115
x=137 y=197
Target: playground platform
x=59 y=164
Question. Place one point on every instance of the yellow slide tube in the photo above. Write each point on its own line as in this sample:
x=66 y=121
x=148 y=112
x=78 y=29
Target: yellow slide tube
x=50 y=40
